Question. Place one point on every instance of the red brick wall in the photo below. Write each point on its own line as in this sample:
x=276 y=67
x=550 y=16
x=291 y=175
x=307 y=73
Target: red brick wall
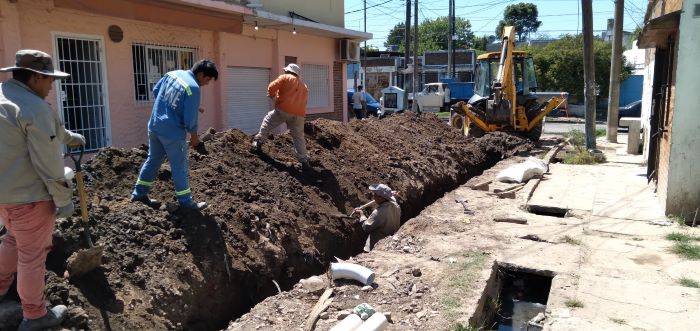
x=665 y=143
x=338 y=95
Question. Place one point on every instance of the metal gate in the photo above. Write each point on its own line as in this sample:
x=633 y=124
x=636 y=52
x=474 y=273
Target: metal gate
x=246 y=89
x=82 y=96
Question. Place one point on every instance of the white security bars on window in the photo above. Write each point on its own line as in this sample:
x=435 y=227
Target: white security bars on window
x=316 y=78
x=152 y=61
x=82 y=95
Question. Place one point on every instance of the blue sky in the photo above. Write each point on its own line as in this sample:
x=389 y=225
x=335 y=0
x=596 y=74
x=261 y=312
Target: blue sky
x=557 y=16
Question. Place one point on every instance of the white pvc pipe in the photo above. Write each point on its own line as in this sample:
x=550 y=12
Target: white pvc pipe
x=349 y=323
x=377 y=322
x=352 y=271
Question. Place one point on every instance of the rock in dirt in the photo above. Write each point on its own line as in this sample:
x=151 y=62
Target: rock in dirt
x=313 y=284
x=343 y=314
x=416 y=272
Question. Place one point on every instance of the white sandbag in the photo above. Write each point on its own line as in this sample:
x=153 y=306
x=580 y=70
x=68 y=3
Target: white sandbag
x=522 y=172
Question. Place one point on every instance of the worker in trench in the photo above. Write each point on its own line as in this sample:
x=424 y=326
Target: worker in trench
x=175 y=114
x=290 y=95
x=385 y=219
x=34 y=189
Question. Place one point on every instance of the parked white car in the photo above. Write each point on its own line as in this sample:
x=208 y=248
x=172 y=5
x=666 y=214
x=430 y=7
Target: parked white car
x=435 y=97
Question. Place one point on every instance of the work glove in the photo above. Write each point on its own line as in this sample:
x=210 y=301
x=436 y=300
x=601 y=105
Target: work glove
x=65 y=211
x=201 y=149
x=76 y=139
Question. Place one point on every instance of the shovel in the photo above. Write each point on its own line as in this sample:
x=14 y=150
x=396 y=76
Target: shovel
x=84 y=260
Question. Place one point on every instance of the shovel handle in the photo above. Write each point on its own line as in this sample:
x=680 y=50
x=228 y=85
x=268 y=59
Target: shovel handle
x=79 y=158
x=361 y=207
x=80 y=180
x=82 y=196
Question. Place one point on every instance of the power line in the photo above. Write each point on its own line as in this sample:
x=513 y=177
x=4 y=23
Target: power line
x=379 y=4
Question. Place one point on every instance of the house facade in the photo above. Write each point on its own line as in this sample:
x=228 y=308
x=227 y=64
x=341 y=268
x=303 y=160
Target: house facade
x=117 y=50
x=670 y=115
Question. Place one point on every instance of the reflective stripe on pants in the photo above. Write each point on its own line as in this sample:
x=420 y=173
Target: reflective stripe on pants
x=158 y=149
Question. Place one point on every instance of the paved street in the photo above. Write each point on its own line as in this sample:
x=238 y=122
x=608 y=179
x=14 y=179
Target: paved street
x=551 y=127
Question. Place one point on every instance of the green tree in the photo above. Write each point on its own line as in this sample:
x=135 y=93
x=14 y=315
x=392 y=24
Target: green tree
x=634 y=36
x=432 y=35
x=396 y=36
x=523 y=16
x=480 y=43
x=559 y=66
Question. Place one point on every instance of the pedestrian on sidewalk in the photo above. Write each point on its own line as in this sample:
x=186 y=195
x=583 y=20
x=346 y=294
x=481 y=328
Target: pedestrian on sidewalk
x=384 y=220
x=290 y=95
x=359 y=103
x=175 y=114
x=32 y=181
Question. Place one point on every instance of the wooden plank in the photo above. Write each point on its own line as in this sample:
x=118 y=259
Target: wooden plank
x=321 y=305
x=483 y=186
x=516 y=220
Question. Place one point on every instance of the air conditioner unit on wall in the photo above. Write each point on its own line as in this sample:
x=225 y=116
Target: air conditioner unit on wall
x=349 y=50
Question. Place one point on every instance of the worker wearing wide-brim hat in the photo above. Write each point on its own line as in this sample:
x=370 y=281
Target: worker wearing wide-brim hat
x=385 y=219
x=34 y=189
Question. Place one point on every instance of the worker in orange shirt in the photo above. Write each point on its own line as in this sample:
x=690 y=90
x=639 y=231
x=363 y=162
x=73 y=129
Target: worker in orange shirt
x=290 y=95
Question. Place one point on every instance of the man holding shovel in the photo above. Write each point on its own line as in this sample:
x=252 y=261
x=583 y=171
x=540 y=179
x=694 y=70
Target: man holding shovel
x=385 y=219
x=175 y=114
x=34 y=190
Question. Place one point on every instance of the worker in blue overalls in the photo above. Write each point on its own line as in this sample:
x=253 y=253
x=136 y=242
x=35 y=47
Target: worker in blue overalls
x=174 y=115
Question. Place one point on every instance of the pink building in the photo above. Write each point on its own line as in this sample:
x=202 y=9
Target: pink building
x=117 y=50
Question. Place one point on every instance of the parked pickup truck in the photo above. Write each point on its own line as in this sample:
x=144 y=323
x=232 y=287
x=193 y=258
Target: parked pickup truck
x=439 y=96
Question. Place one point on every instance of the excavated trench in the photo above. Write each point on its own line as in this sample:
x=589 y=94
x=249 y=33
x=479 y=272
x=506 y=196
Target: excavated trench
x=268 y=220
x=513 y=298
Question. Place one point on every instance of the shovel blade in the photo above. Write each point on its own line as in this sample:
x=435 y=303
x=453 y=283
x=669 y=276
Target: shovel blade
x=84 y=261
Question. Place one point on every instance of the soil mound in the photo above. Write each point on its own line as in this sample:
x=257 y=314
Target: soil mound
x=268 y=219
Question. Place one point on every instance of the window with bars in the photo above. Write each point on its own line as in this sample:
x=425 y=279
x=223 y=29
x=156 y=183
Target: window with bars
x=82 y=98
x=152 y=61
x=316 y=78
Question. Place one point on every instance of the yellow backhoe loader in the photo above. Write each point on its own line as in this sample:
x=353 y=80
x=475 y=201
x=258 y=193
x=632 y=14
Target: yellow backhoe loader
x=505 y=97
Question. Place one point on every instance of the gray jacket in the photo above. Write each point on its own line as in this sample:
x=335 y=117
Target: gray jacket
x=384 y=221
x=31 y=138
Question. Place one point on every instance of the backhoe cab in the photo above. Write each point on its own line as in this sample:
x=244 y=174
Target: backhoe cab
x=504 y=98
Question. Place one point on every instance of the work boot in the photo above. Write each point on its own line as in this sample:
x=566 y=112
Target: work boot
x=194 y=205
x=257 y=146
x=53 y=318
x=153 y=203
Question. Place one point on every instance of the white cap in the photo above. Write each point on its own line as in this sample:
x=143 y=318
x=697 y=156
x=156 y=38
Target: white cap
x=382 y=190
x=293 y=68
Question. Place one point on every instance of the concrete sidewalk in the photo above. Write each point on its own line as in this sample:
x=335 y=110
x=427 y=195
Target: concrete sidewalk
x=617 y=265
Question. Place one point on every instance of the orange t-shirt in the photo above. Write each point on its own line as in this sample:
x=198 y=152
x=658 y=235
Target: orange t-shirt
x=290 y=94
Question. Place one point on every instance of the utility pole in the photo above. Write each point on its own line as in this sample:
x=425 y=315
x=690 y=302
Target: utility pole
x=452 y=40
x=364 y=56
x=406 y=54
x=589 y=72
x=615 y=63
x=450 y=44
x=415 y=55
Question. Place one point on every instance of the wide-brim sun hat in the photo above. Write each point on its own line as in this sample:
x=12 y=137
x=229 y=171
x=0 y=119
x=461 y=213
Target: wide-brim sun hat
x=36 y=61
x=382 y=190
x=293 y=68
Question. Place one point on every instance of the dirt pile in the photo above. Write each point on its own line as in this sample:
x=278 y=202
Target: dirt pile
x=268 y=220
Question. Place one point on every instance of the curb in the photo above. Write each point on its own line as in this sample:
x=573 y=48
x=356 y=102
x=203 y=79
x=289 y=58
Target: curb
x=531 y=186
